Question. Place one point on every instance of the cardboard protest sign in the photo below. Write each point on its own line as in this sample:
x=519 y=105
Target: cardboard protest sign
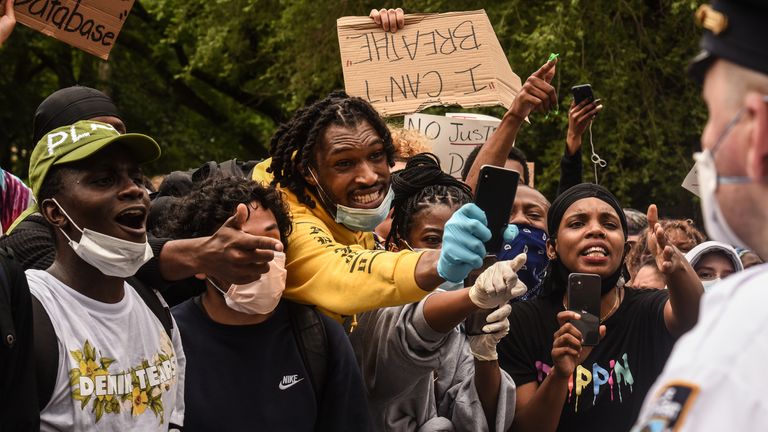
x=453 y=139
x=437 y=59
x=90 y=25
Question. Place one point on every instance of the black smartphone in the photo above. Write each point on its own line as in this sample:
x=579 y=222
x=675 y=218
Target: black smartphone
x=583 y=297
x=581 y=92
x=495 y=194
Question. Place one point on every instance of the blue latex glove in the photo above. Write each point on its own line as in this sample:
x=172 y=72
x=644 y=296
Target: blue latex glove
x=510 y=233
x=463 y=249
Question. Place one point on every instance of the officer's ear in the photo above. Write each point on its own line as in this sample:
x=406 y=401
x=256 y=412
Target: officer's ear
x=756 y=106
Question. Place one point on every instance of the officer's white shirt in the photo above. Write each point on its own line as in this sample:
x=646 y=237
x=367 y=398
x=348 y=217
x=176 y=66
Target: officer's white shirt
x=717 y=375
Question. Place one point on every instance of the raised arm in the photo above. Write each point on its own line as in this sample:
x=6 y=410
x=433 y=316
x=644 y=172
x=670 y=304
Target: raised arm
x=682 y=309
x=536 y=95
x=579 y=118
x=7 y=20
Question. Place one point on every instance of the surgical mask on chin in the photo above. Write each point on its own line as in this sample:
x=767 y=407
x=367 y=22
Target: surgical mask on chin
x=356 y=219
x=714 y=220
x=708 y=284
x=364 y=219
x=259 y=297
x=110 y=255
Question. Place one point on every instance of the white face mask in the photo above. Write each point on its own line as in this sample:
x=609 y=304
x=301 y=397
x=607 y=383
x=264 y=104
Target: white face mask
x=714 y=220
x=364 y=219
x=358 y=219
x=110 y=255
x=259 y=297
x=708 y=283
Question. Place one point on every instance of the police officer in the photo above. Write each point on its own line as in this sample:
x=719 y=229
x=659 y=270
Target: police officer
x=713 y=380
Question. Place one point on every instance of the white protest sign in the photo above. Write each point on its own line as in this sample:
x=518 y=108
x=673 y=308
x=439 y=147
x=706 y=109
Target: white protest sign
x=453 y=139
x=436 y=59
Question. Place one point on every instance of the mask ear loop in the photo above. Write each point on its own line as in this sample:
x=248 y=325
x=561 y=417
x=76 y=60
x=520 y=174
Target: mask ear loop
x=216 y=286
x=68 y=218
x=323 y=195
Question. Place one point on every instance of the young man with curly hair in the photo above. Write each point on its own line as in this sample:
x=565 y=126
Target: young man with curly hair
x=241 y=338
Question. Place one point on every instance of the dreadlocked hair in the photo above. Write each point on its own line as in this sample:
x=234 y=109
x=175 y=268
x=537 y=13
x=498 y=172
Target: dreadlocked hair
x=292 y=145
x=421 y=185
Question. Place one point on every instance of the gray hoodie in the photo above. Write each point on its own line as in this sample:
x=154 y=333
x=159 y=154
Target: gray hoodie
x=418 y=379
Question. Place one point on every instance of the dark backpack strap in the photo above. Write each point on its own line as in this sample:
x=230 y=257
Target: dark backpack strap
x=309 y=330
x=46 y=352
x=161 y=311
x=7 y=329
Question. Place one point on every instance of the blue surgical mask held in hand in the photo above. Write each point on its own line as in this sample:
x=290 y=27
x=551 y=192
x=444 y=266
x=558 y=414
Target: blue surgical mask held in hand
x=531 y=241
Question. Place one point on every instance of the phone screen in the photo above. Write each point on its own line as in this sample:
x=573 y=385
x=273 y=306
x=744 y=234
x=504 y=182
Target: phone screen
x=583 y=297
x=495 y=194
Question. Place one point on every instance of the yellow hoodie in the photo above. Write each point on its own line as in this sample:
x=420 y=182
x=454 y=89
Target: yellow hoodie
x=335 y=268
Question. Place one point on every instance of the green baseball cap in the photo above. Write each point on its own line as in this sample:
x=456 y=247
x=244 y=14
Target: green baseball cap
x=79 y=141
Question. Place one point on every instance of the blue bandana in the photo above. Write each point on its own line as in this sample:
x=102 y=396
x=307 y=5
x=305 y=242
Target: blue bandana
x=533 y=242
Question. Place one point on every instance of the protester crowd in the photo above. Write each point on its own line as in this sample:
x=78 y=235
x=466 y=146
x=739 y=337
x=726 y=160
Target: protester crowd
x=333 y=285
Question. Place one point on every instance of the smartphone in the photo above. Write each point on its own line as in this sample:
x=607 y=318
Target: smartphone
x=495 y=194
x=581 y=92
x=583 y=297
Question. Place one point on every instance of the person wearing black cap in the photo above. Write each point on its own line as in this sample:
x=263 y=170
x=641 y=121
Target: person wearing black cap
x=710 y=382
x=563 y=385
x=230 y=254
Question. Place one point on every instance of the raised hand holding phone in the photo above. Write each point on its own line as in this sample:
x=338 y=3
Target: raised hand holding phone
x=495 y=195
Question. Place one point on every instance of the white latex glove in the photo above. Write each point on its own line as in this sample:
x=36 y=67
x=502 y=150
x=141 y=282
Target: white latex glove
x=483 y=347
x=498 y=284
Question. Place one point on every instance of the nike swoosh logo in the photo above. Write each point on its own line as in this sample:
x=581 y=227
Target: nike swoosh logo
x=285 y=386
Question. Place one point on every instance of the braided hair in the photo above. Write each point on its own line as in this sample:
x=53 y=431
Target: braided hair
x=292 y=146
x=421 y=185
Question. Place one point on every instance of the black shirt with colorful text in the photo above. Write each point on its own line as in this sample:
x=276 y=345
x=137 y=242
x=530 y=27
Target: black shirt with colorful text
x=607 y=390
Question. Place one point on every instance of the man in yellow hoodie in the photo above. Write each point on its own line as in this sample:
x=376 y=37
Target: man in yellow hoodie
x=332 y=162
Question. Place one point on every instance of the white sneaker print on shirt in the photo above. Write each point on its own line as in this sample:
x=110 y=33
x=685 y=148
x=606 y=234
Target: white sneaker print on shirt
x=289 y=381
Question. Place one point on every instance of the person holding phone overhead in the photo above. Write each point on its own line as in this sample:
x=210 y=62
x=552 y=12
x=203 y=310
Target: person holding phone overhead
x=564 y=385
x=420 y=372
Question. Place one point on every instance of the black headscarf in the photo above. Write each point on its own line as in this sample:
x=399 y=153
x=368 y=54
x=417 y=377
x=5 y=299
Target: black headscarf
x=557 y=277
x=70 y=105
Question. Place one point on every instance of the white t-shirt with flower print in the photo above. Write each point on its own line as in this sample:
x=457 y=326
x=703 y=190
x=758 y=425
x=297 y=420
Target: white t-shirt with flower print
x=118 y=369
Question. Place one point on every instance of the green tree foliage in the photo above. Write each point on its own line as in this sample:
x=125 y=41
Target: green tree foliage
x=212 y=79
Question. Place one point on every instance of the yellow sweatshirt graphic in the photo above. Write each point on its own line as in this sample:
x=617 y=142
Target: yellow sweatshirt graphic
x=335 y=268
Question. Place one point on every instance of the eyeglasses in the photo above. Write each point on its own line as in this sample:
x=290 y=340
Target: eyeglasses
x=733 y=122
